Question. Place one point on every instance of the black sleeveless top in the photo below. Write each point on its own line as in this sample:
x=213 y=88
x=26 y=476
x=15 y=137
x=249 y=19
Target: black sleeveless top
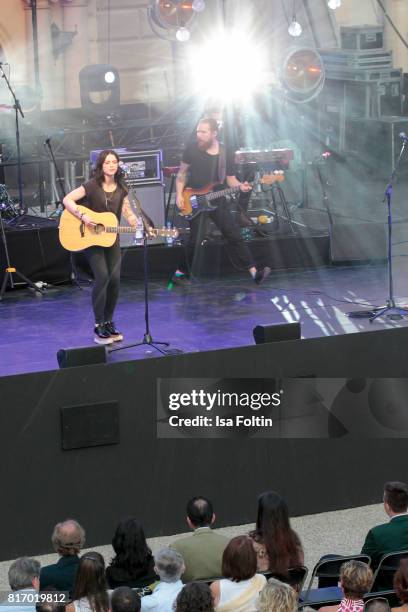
x=99 y=200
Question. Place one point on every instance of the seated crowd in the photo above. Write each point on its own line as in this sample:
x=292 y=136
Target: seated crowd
x=206 y=571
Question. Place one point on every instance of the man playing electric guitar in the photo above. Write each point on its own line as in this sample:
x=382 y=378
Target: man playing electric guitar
x=205 y=162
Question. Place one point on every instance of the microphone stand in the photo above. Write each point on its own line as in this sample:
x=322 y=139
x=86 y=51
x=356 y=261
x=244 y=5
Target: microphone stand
x=390 y=309
x=147 y=337
x=60 y=184
x=10 y=270
x=47 y=145
x=17 y=109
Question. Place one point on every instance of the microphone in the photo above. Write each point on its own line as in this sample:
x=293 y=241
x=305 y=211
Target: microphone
x=124 y=167
x=46 y=142
x=403 y=136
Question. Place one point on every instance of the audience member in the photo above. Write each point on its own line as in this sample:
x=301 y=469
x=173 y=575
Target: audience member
x=24 y=580
x=90 y=587
x=124 y=599
x=68 y=538
x=239 y=588
x=401 y=585
x=54 y=604
x=379 y=604
x=355 y=580
x=195 y=597
x=169 y=566
x=202 y=550
x=276 y=596
x=133 y=564
x=277 y=546
x=392 y=536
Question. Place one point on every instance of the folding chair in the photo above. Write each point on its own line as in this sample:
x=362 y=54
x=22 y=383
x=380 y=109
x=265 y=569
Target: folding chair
x=329 y=568
x=384 y=575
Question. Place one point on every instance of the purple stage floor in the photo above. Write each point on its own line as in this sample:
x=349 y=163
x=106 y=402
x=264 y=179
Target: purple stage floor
x=211 y=314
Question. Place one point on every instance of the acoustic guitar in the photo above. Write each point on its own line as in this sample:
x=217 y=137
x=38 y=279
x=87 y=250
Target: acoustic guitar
x=205 y=199
x=74 y=235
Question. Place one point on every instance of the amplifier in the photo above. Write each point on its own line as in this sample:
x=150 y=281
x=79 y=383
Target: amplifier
x=144 y=167
x=365 y=76
x=151 y=198
x=362 y=38
x=334 y=59
x=377 y=142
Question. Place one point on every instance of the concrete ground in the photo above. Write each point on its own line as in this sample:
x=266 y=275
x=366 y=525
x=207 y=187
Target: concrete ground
x=340 y=532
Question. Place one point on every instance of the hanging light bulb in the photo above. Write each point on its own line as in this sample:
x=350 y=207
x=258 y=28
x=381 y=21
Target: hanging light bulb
x=182 y=34
x=295 y=29
x=333 y=4
x=198 y=6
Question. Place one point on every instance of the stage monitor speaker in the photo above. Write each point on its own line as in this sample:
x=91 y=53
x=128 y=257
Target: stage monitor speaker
x=85 y=355
x=276 y=333
x=151 y=198
x=358 y=242
x=88 y=425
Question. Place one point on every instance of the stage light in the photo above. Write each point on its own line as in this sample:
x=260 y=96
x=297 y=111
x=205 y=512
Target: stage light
x=230 y=66
x=172 y=19
x=183 y=35
x=333 y=4
x=302 y=74
x=295 y=29
x=198 y=6
x=109 y=77
x=100 y=89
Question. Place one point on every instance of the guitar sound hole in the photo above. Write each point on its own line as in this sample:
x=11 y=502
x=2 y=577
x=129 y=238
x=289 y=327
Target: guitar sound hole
x=99 y=228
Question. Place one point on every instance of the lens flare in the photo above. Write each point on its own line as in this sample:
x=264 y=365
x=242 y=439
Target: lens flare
x=228 y=67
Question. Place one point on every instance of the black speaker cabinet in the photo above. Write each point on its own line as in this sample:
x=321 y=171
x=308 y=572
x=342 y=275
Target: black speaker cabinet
x=377 y=143
x=358 y=242
x=151 y=198
x=87 y=425
x=85 y=355
x=276 y=333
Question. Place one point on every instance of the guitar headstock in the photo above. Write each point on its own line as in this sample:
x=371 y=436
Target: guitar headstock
x=274 y=177
x=166 y=232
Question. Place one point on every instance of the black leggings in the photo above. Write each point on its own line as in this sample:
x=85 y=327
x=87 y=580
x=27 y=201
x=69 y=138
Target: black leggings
x=105 y=265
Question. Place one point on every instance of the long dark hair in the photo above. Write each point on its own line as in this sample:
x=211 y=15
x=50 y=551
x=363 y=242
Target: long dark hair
x=98 y=172
x=130 y=546
x=274 y=531
x=401 y=581
x=90 y=581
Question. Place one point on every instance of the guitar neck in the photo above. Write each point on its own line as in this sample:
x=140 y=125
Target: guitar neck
x=120 y=230
x=223 y=192
x=153 y=232
x=128 y=230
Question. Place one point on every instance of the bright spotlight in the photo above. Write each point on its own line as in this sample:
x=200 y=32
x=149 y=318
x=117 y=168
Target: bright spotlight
x=295 y=29
x=183 y=35
x=333 y=4
x=109 y=77
x=230 y=66
x=198 y=6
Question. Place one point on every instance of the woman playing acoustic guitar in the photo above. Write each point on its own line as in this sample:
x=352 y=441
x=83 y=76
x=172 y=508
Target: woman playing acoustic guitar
x=105 y=192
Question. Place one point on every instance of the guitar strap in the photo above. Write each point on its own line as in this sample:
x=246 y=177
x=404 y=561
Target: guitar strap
x=222 y=163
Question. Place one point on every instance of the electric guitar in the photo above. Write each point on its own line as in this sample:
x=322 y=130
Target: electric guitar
x=205 y=199
x=74 y=235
